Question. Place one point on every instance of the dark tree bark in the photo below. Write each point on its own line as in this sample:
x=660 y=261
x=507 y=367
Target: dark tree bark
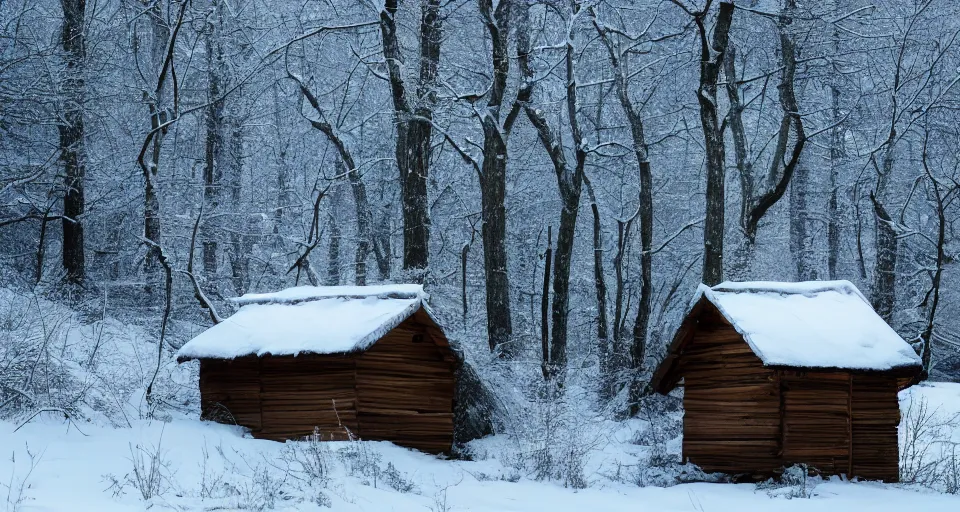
x=72 y=148
x=569 y=183
x=152 y=229
x=215 y=154
x=493 y=181
x=885 y=268
x=756 y=203
x=414 y=126
x=711 y=61
x=932 y=300
x=164 y=41
x=604 y=351
x=644 y=209
x=357 y=186
x=545 y=365
x=836 y=157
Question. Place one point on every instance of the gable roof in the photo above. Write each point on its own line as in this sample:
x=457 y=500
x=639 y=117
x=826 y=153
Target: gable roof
x=813 y=324
x=308 y=319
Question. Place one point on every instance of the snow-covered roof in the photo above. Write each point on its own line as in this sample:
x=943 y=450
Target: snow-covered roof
x=813 y=324
x=308 y=319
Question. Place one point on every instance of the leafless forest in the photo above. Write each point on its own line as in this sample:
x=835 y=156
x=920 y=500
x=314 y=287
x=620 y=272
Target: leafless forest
x=560 y=174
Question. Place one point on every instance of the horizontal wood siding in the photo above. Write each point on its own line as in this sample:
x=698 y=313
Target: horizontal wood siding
x=401 y=390
x=299 y=394
x=746 y=419
x=816 y=420
x=230 y=391
x=732 y=404
x=405 y=389
x=876 y=414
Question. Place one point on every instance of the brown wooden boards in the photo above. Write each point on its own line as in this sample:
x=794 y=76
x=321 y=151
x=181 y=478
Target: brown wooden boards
x=401 y=389
x=731 y=422
x=744 y=418
x=405 y=389
x=230 y=391
x=816 y=422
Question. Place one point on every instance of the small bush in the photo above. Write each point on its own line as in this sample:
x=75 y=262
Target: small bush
x=18 y=485
x=150 y=472
x=795 y=482
x=928 y=456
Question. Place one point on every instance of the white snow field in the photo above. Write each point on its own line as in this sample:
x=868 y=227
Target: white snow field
x=207 y=466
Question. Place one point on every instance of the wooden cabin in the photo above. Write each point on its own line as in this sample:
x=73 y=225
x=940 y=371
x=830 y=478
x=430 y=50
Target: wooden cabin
x=776 y=374
x=347 y=362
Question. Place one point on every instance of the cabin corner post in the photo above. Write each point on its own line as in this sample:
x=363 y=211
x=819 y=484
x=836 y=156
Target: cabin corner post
x=850 y=426
x=781 y=439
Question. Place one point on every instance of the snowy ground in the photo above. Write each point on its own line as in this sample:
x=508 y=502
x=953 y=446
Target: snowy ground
x=205 y=466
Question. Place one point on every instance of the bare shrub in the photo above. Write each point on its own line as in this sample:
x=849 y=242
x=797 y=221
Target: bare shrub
x=212 y=483
x=308 y=460
x=150 y=473
x=367 y=464
x=550 y=439
x=795 y=482
x=928 y=456
x=19 y=482
x=35 y=376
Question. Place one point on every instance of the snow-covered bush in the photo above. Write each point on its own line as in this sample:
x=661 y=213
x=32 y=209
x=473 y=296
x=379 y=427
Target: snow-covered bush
x=150 y=472
x=364 y=461
x=795 y=482
x=551 y=437
x=35 y=376
x=929 y=456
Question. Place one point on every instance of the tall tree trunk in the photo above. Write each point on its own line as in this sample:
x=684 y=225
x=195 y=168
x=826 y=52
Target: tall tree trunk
x=711 y=60
x=493 y=183
x=758 y=198
x=243 y=228
x=72 y=147
x=604 y=350
x=414 y=125
x=569 y=183
x=836 y=157
x=332 y=277
x=932 y=300
x=644 y=209
x=885 y=265
x=800 y=240
x=215 y=153
x=152 y=229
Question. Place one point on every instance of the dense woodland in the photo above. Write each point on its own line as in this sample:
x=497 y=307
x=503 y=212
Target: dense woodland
x=560 y=174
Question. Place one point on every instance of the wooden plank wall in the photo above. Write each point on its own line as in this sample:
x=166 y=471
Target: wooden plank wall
x=230 y=391
x=399 y=390
x=876 y=414
x=405 y=389
x=732 y=403
x=816 y=423
x=307 y=391
x=743 y=418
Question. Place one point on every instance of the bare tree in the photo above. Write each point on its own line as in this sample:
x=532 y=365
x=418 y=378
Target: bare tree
x=569 y=178
x=160 y=38
x=364 y=214
x=72 y=146
x=414 y=125
x=783 y=163
x=615 y=49
x=492 y=174
x=712 y=53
